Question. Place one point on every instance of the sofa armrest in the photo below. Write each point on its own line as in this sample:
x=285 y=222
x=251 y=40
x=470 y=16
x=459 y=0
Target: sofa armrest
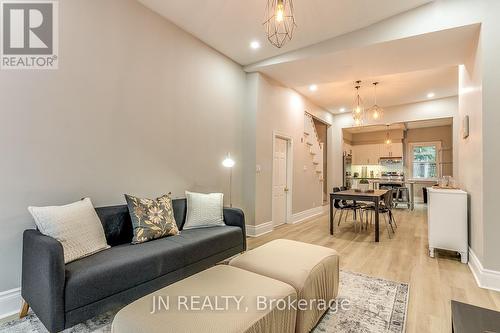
x=236 y=217
x=43 y=278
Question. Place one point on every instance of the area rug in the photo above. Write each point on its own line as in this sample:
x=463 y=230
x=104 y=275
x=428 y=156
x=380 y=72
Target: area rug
x=365 y=305
x=373 y=305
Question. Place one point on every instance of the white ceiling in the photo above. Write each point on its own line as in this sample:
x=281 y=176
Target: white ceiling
x=230 y=25
x=394 y=89
x=407 y=69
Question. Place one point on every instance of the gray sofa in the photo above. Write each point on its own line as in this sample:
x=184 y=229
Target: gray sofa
x=64 y=295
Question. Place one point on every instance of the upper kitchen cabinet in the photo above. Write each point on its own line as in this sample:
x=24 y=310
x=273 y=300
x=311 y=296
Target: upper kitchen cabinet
x=366 y=154
x=394 y=149
x=370 y=154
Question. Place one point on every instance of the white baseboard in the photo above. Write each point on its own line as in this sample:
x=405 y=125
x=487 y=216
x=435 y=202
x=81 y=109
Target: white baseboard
x=309 y=214
x=485 y=278
x=260 y=229
x=10 y=302
x=264 y=228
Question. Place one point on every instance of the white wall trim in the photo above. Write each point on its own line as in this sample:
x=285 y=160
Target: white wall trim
x=309 y=214
x=10 y=302
x=260 y=229
x=485 y=278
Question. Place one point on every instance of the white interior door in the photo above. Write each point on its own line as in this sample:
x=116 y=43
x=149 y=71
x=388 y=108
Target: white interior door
x=280 y=190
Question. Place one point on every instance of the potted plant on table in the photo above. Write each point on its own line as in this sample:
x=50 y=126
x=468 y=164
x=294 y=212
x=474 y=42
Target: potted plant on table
x=364 y=185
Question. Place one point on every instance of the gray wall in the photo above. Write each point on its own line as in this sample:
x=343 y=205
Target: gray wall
x=491 y=136
x=282 y=109
x=480 y=161
x=137 y=106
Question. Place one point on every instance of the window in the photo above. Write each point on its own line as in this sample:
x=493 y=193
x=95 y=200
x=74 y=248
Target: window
x=425 y=160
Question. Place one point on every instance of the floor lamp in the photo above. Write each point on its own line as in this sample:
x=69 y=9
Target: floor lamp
x=229 y=163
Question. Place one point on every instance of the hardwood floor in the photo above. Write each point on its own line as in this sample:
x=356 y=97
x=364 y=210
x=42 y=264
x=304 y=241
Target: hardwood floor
x=433 y=282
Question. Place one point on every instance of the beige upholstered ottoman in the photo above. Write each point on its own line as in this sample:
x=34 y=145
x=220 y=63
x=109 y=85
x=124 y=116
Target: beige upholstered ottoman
x=312 y=270
x=211 y=309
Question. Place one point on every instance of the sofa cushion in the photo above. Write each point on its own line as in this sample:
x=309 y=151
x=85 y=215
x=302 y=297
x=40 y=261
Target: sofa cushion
x=120 y=268
x=116 y=223
x=199 y=244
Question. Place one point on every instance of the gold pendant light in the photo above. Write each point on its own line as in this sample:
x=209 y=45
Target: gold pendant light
x=358 y=111
x=280 y=22
x=376 y=112
x=388 y=139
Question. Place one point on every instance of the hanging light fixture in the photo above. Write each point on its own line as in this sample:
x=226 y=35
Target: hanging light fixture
x=358 y=111
x=279 y=21
x=376 y=112
x=388 y=139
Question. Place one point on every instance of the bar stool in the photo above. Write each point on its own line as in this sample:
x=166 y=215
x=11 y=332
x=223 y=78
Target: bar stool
x=402 y=197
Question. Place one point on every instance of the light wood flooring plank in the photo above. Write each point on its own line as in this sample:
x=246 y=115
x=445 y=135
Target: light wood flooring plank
x=433 y=281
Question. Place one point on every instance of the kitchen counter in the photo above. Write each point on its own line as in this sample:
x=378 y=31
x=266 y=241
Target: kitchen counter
x=359 y=178
x=422 y=181
x=389 y=181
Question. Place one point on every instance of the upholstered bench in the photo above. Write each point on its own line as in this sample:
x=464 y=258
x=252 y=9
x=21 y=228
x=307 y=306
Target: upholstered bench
x=312 y=270
x=204 y=303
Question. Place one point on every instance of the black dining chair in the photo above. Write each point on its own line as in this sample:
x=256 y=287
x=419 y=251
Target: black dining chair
x=385 y=207
x=343 y=205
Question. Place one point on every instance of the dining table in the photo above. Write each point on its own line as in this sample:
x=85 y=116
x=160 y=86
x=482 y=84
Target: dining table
x=374 y=196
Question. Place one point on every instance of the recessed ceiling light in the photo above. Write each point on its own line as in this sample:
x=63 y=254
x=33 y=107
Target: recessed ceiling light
x=430 y=95
x=313 y=87
x=255 y=45
x=342 y=109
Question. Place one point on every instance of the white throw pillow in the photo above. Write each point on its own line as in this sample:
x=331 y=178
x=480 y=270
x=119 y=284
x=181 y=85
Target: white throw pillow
x=204 y=210
x=76 y=226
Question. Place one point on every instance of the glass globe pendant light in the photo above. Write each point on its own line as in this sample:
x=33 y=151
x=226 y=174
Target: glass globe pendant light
x=358 y=111
x=376 y=112
x=388 y=139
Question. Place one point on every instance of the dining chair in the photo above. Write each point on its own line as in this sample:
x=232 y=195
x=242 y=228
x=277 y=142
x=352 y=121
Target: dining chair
x=343 y=205
x=385 y=208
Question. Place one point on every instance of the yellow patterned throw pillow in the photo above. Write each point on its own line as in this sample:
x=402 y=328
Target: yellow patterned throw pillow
x=151 y=219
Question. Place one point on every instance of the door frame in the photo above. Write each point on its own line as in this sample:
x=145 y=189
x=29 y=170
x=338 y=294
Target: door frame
x=289 y=173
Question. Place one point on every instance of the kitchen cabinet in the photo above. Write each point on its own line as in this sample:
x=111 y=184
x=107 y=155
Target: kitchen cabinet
x=370 y=154
x=347 y=148
x=365 y=154
x=392 y=150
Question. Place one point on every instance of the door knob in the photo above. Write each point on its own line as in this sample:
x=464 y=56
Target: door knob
x=285 y=189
